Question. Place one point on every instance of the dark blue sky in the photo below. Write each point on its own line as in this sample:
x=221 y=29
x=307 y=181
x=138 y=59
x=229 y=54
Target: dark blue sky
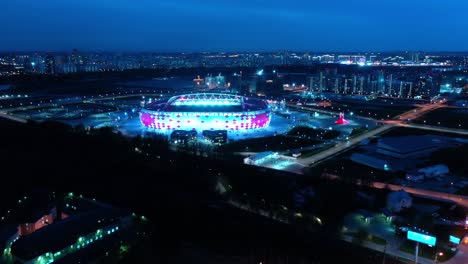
x=234 y=25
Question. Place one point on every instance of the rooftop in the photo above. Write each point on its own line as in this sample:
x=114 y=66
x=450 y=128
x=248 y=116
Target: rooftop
x=61 y=234
x=408 y=144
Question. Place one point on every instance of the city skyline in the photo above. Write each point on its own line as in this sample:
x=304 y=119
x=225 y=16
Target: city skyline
x=234 y=131
x=188 y=26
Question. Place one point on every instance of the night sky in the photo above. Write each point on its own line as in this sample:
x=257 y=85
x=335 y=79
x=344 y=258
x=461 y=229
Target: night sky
x=233 y=25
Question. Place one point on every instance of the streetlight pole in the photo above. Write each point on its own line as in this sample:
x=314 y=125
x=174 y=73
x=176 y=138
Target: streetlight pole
x=385 y=249
x=416 y=253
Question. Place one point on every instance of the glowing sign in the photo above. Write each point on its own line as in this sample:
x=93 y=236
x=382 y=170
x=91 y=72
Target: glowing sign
x=455 y=240
x=418 y=237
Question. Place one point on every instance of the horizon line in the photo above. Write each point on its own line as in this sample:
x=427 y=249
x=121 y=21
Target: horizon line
x=230 y=51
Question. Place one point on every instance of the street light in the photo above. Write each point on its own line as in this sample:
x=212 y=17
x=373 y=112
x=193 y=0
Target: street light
x=437 y=255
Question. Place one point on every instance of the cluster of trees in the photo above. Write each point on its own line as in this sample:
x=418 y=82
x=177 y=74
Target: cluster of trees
x=173 y=189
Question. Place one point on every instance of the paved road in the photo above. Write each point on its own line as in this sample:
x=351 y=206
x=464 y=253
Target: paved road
x=403 y=119
x=433 y=128
x=459 y=199
x=342 y=146
x=13 y=118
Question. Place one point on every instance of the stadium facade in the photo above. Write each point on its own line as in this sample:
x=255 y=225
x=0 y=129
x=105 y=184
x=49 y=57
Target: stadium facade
x=206 y=111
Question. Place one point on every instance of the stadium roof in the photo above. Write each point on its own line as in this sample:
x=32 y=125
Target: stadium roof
x=208 y=102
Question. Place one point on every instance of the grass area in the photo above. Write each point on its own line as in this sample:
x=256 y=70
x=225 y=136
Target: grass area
x=358 y=131
x=446 y=117
x=405 y=131
x=377 y=240
x=368 y=237
x=308 y=153
x=304 y=131
x=273 y=143
x=345 y=168
x=66 y=112
x=377 y=111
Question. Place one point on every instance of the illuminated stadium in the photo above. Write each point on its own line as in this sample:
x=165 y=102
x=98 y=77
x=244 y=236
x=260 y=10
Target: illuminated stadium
x=206 y=111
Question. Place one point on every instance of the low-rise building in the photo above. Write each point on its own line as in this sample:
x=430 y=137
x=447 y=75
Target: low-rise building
x=408 y=146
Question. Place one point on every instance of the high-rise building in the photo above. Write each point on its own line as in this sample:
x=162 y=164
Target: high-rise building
x=380 y=82
x=49 y=64
x=76 y=57
x=361 y=85
x=390 y=84
x=406 y=89
x=321 y=82
x=354 y=83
